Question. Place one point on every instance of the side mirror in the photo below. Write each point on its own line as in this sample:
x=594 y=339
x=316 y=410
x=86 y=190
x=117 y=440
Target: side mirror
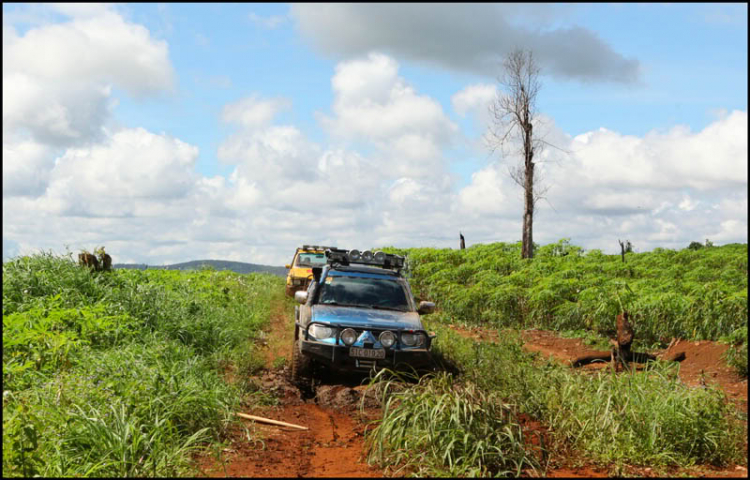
x=287 y=266
x=301 y=296
x=425 y=308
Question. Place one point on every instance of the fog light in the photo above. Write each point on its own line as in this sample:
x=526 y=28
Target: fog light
x=412 y=339
x=349 y=336
x=387 y=339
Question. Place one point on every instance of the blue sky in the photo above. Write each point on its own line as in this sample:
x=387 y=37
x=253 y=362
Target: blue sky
x=198 y=130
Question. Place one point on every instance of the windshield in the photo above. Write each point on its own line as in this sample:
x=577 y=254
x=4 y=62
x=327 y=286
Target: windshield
x=311 y=259
x=364 y=292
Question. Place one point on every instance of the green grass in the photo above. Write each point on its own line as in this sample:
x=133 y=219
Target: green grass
x=646 y=418
x=736 y=355
x=443 y=427
x=122 y=373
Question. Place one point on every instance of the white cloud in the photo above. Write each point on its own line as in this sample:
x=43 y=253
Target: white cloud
x=58 y=78
x=487 y=194
x=92 y=50
x=474 y=98
x=713 y=158
x=115 y=178
x=252 y=112
x=373 y=103
x=26 y=167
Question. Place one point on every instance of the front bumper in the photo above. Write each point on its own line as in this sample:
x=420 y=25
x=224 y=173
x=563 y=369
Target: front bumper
x=337 y=356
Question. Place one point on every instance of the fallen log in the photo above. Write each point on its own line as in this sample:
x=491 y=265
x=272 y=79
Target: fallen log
x=635 y=357
x=270 y=421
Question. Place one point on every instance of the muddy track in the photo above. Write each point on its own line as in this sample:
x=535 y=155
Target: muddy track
x=335 y=411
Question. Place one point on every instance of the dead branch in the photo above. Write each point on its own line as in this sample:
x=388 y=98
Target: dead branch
x=270 y=421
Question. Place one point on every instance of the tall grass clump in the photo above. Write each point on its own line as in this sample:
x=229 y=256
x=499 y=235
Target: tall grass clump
x=121 y=373
x=444 y=427
x=645 y=418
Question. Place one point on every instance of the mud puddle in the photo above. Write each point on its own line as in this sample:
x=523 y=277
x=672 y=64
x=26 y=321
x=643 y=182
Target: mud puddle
x=336 y=415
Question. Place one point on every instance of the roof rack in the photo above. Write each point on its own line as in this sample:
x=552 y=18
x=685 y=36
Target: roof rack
x=376 y=259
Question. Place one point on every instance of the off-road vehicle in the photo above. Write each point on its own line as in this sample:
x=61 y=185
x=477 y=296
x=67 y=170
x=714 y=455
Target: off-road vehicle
x=359 y=314
x=300 y=270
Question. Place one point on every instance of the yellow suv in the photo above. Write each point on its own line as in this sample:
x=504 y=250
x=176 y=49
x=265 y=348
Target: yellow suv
x=300 y=270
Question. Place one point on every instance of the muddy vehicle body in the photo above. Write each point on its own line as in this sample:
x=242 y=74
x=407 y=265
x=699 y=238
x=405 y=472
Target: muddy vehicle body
x=300 y=270
x=358 y=314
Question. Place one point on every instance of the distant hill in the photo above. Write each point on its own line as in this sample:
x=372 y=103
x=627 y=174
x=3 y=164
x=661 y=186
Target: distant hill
x=237 y=267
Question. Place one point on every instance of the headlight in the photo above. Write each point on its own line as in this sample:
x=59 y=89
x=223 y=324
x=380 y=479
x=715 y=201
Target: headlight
x=412 y=339
x=349 y=336
x=387 y=339
x=321 y=331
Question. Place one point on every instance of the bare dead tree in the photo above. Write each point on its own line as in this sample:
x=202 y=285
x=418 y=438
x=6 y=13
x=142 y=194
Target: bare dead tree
x=513 y=115
x=625 y=247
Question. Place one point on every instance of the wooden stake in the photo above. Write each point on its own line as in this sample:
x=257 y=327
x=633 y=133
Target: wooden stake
x=268 y=420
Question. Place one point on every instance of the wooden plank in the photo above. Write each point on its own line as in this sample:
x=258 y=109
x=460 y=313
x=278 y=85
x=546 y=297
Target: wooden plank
x=270 y=421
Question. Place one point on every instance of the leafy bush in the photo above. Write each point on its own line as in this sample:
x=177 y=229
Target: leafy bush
x=694 y=294
x=121 y=373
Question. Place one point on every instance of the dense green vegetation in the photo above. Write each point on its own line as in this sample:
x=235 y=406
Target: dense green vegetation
x=121 y=373
x=696 y=294
x=444 y=426
x=646 y=418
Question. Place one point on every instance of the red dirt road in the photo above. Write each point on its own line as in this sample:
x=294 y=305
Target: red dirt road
x=332 y=447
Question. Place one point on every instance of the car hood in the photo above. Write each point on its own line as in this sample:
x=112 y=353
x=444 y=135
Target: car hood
x=366 y=317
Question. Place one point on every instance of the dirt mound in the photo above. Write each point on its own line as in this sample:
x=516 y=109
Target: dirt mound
x=336 y=396
x=278 y=384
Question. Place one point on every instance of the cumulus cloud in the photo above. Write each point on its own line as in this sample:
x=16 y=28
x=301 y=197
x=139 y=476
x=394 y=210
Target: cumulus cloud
x=464 y=37
x=103 y=48
x=373 y=102
x=714 y=158
x=110 y=179
x=57 y=87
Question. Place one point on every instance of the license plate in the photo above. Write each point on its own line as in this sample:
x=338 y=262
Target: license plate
x=366 y=352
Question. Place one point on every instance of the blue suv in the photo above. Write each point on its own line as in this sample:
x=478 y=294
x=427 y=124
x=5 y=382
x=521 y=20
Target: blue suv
x=359 y=314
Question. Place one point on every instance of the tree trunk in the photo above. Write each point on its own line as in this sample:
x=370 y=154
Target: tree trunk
x=527 y=243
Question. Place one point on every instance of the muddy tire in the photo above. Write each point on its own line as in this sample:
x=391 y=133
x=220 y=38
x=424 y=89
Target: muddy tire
x=301 y=367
